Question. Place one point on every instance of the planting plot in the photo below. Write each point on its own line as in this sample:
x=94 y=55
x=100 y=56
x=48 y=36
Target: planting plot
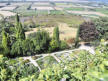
x=87 y=13
x=18 y=4
x=8 y=8
x=41 y=3
x=47 y=61
x=102 y=10
x=67 y=55
x=60 y=3
x=74 y=9
x=4 y=13
x=42 y=8
x=24 y=10
x=57 y=12
x=3 y=4
x=58 y=8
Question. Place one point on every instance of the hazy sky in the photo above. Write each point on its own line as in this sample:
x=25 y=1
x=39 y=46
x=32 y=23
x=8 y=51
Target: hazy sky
x=42 y=0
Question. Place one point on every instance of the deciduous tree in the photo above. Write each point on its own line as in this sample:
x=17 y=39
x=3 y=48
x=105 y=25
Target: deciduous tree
x=88 y=31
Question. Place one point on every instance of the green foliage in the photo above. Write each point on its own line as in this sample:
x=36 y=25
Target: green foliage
x=54 y=46
x=55 y=42
x=28 y=47
x=88 y=31
x=20 y=34
x=4 y=71
x=102 y=27
x=17 y=48
x=56 y=34
x=77 y=38
x=63 y=45
x=16 y=70
x=51 y=74
x=82 y=66
x=17 y=19
x=16 y=44
x=22 y=48
x=1 y=49
x=41 y=41
x=5 y=42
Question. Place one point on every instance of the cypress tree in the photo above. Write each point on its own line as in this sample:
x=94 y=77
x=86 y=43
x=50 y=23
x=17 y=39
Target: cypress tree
x=55 y=42
x=5 y=42
x=19 y=29
x=20 y=32
x=77 y=37
x=56 y=34
x=17 y=19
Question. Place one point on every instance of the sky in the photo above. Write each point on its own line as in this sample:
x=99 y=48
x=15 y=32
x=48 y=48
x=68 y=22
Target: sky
x=44 y=0
x=60 y=0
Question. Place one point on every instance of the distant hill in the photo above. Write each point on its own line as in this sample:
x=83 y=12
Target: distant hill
x=103 y=1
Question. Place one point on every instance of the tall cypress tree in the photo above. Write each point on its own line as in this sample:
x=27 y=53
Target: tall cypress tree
x=19 y=29
x=56 y=34
x=77 y=37
x=5 y=42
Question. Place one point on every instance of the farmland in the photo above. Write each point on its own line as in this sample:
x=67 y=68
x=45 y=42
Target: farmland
x=30 y=9
x=55 y=40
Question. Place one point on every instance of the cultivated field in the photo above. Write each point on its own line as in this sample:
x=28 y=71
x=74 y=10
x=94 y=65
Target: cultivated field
x=42 y=8
x=7 y=13
x=8 y=8
x=66 y=23
x=87 y=13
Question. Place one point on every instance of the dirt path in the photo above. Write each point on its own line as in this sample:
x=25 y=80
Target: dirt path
x=33 y=62
x=66 y=52
x=58 y=60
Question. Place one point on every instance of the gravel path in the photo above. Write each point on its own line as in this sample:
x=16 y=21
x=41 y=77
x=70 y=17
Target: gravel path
x=33 y=62
x=58 y=60
x=87 y=48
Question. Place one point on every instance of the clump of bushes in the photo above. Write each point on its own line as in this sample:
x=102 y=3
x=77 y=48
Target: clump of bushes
x=88 y=31
x=102 y=27
x=40 y=42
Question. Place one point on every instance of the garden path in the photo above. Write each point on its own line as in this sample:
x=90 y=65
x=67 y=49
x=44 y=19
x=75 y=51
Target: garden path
x=83 y=47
